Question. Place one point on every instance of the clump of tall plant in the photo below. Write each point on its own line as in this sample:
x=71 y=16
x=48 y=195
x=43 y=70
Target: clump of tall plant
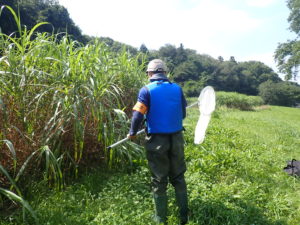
x=59 y=98
x=238 y=101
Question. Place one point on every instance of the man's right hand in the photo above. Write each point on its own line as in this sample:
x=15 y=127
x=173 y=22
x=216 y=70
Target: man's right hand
x=131 y=137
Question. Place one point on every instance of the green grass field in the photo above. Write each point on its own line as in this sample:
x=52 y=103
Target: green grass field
x=234 y=177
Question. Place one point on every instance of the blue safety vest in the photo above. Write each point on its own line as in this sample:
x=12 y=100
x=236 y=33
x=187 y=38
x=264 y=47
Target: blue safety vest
x=165 y=113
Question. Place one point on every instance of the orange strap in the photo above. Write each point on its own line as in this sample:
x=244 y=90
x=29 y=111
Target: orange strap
x=140 y=107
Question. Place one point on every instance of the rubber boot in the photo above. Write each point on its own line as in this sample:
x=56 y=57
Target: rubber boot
x=182 y=202
x=161 y=205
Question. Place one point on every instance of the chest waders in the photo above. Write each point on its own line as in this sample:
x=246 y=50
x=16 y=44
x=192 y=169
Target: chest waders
x=165 y=147
x=165 y=155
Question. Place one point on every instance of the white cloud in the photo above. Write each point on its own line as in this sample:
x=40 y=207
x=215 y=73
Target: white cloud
x=214 y=27
x=157 y=22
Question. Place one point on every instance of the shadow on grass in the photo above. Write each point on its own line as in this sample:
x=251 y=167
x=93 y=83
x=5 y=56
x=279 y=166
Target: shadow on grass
x=94 y=193
x=217 y=213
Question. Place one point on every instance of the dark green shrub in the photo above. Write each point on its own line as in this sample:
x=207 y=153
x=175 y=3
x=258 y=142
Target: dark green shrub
x=282 y=93
x=238 y=101
x=192 y=88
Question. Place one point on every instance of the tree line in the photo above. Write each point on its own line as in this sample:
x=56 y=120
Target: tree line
x=34 y=11
x=191 y=70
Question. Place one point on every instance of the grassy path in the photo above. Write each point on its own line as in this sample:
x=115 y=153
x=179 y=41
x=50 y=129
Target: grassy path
x=234 y=177
x=243 y=157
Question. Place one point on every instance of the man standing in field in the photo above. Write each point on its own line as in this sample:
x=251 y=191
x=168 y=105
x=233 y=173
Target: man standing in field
x=163 y=104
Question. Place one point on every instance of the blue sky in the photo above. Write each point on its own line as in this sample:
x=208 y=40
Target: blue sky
x=245 y=29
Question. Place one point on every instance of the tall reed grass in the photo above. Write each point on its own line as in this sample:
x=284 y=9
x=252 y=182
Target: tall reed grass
x=238 y=101
x=58 y=99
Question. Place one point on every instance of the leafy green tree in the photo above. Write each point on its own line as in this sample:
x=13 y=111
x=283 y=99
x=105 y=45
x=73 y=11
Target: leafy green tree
x=181 y=55
x=226 y=76
x=116 y=46
x=173 y=56
x=294 y=17
x=168 y=54
x=232 y=59
x=59 y=19
x=287 y=54
x=281 y=93
x=144 y=49
x=186 y=71
x=196 y=68
x=242 y=77
x=221 y=59
x=191 y=70
x=34 y=11
x=253 y=74
x=192 y=88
